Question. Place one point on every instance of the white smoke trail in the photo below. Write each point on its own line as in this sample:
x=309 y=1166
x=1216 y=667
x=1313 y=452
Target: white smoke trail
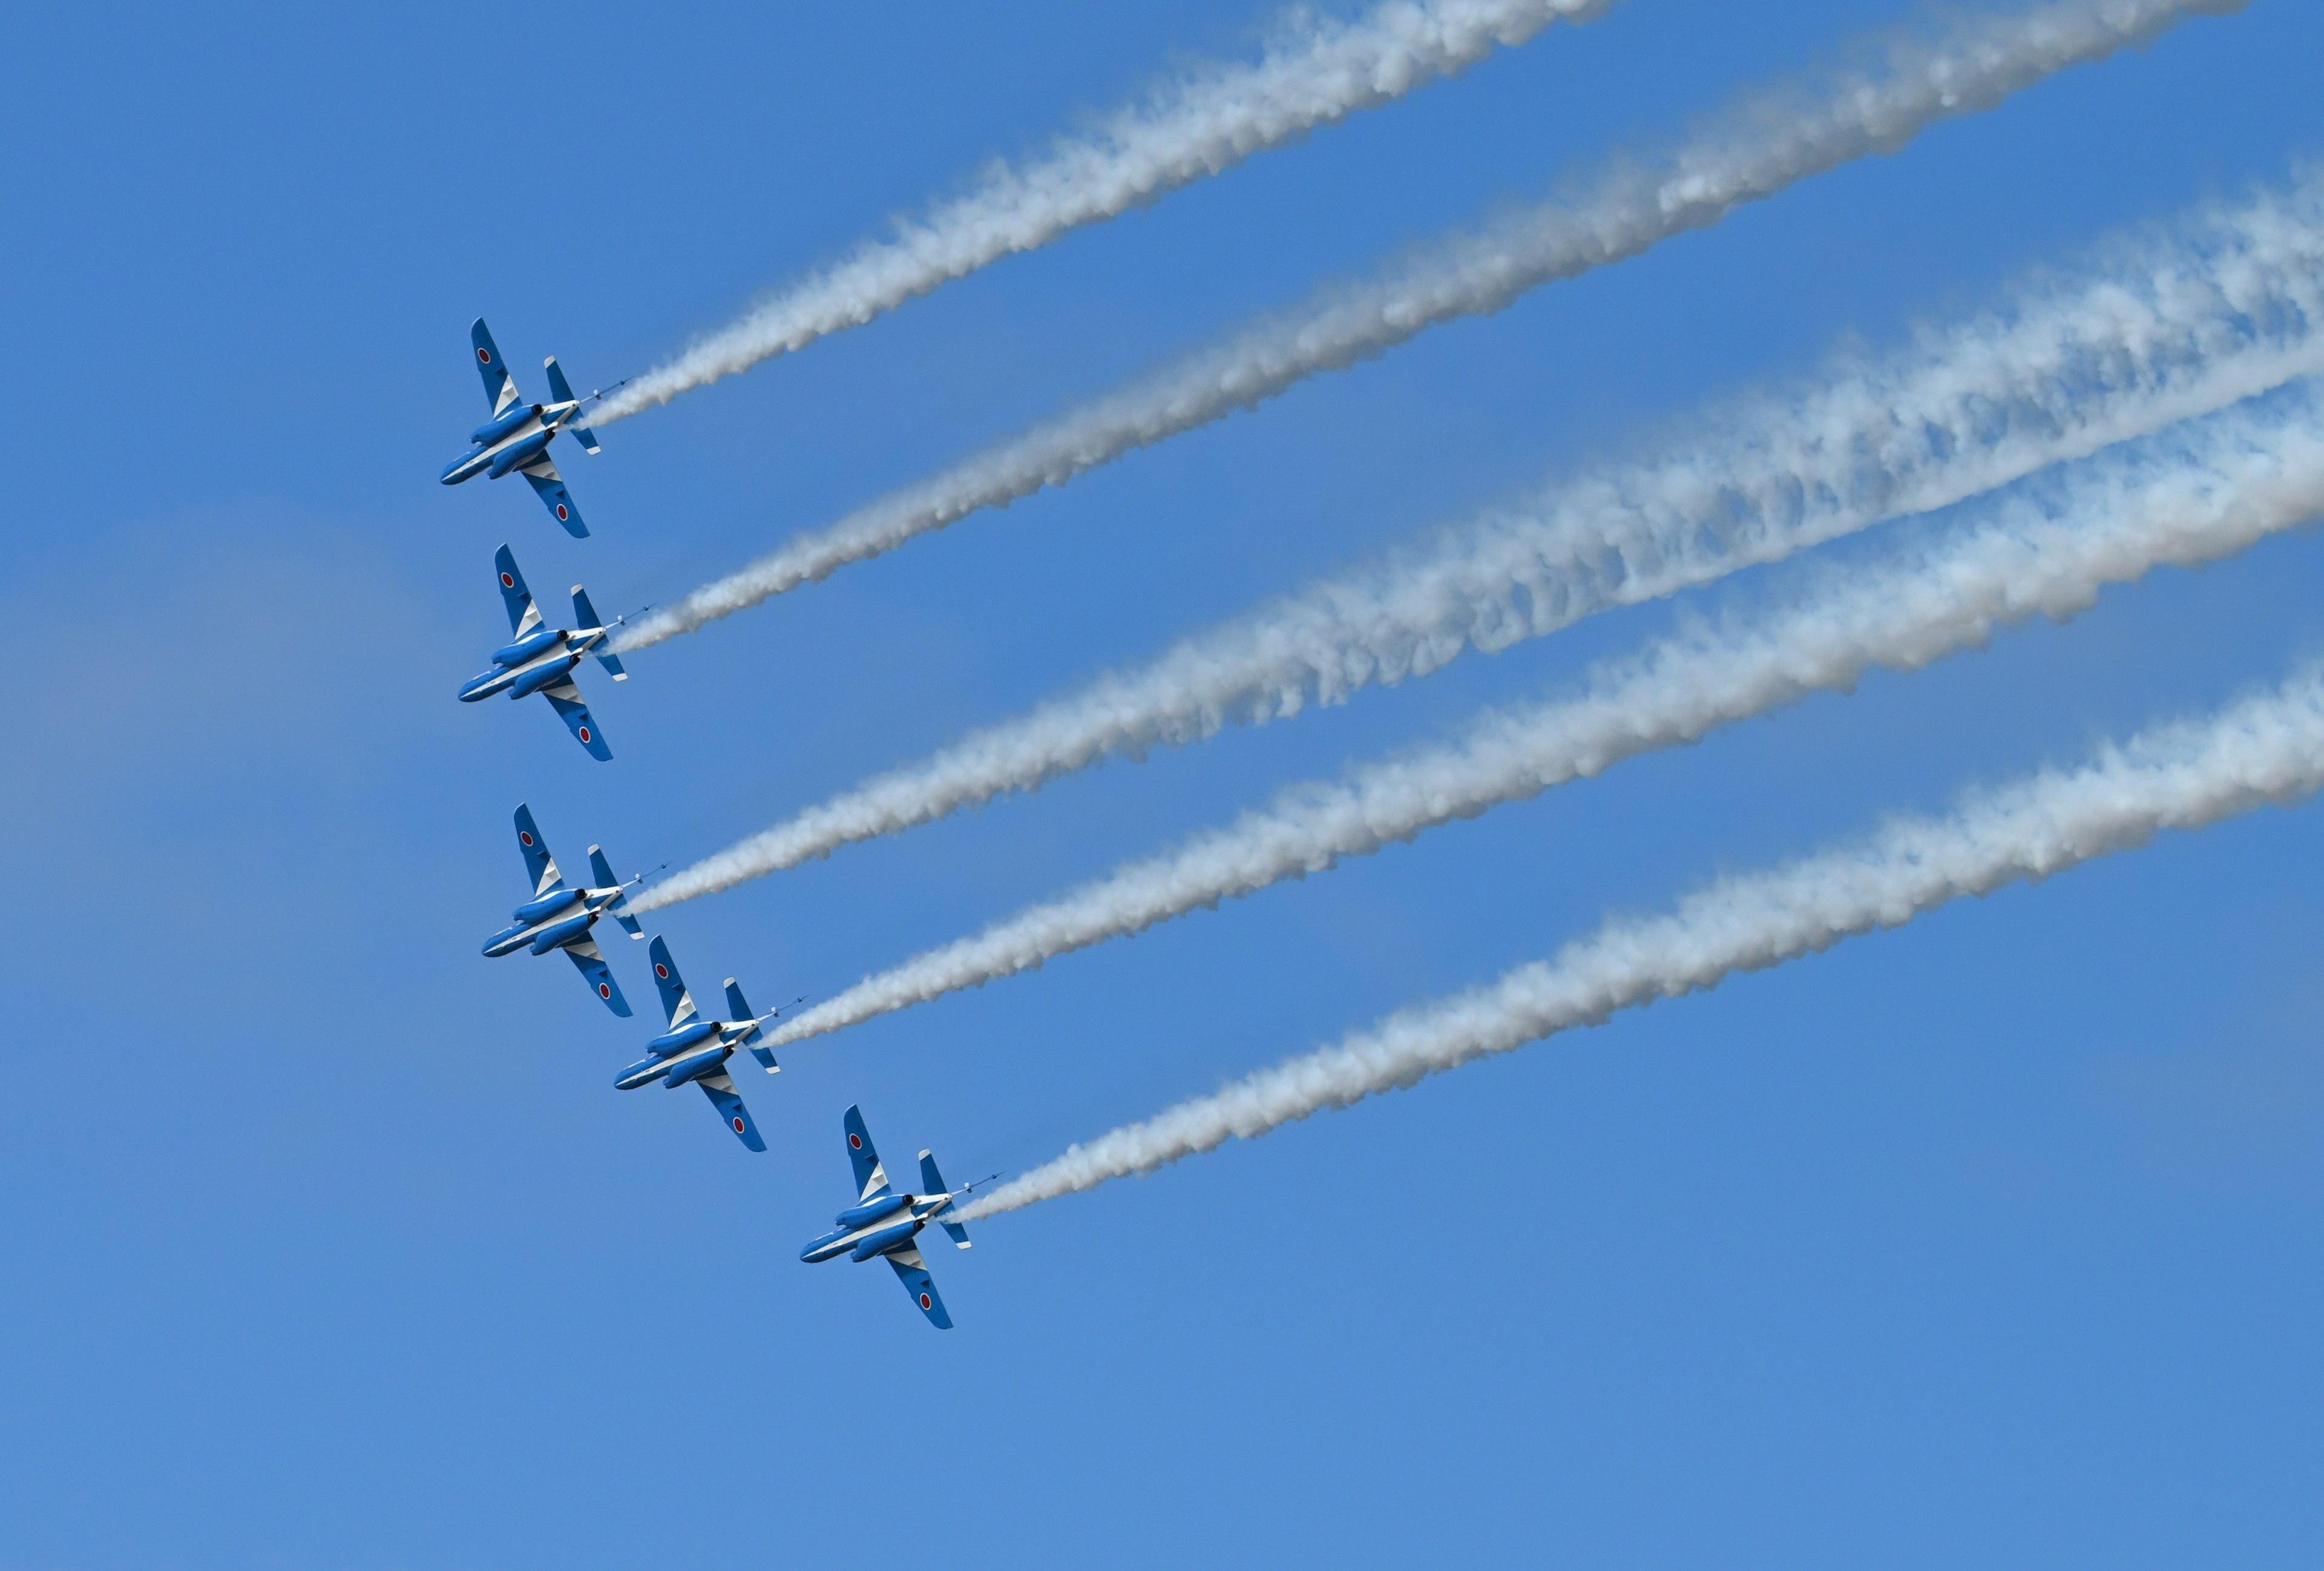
x=1315 y=70
x=2184 y=776
x=2202 y=497
x=1767 y=144
x=2155 y=331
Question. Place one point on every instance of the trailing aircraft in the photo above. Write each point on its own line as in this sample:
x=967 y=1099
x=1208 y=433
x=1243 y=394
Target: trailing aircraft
x=558 y=918
x=540 y=659
x=884 y=1224
x=696 y=1049
x=516 y=440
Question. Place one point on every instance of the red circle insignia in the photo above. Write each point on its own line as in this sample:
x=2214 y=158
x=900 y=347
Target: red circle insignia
x=855 y=1142
x=484 y=356
x=738 y=1126
x=524 y=837
x=926 y=1303
x=508 y=580
x=584 y=734
x=604 y=990
x=661 y=971
x=560 y=512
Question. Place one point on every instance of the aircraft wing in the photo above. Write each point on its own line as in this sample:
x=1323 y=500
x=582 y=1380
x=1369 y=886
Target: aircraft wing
x=590 y=961
x=499 y=387
x=538 y=862
x=566 y=699
x=913 y=1272
x=523 y=615
x=720 y=1090
x=870 y=1179
x=549 y=486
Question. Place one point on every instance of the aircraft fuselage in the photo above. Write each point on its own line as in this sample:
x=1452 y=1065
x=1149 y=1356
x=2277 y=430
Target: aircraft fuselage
x=694 y=1050
x=509 y=440
x=876 y=1227
x=552 y=922
x=532 y=663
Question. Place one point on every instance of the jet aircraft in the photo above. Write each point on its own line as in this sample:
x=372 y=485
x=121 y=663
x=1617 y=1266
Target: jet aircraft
x=516 y=439
x=558 y=918
x=696 y=1049
x=884 y=1224
x=540 y=659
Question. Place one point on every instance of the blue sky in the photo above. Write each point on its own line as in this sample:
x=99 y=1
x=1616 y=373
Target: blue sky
x=1991 y=1240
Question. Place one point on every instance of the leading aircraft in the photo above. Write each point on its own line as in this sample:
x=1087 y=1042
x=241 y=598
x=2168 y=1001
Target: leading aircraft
x=540 y=659
x=516 y=439
x=884 y=1224
x=696 y=1049
x=558 y=918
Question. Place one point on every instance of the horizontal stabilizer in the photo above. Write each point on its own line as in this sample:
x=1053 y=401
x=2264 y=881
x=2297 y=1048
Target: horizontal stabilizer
x=932 y=1183
x=559 y=390
x=584 y=617
x=738 y=1008
x=603 y=872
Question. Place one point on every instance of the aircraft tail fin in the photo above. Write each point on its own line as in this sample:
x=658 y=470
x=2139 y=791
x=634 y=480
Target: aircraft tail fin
x=932 y=1183
x=584 y=617
x=601 y=871
x=562 y=392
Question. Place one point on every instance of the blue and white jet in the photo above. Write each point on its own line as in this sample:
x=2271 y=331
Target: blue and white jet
x=884 y=1224
x=516 y=440
x=558 y=918
x=540 y=659
x=696 y=1049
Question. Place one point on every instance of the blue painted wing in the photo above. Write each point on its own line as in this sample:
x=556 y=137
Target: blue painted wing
x=538 y=862
x=676 y=1002
x=913 y=1272
x=870 y=1180
x=566 y=699
x=542 y=476
x=721 y=1092
x=499 y=387
x=522 y=616
x=591 y=962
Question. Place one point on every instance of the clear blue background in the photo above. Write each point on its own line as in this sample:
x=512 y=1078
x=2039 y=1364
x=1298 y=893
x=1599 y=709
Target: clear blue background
x=1992 y=1241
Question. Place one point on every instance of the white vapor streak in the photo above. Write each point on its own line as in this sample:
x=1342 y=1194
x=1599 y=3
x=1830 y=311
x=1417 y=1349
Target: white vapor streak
x=2196 y=499
x=1317 y=71
x=2161 y=330
x=1767 y=144
x=2182 y=776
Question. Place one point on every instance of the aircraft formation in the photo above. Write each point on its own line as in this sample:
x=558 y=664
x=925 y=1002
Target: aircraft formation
x=2188 y=365
x=561 y=918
